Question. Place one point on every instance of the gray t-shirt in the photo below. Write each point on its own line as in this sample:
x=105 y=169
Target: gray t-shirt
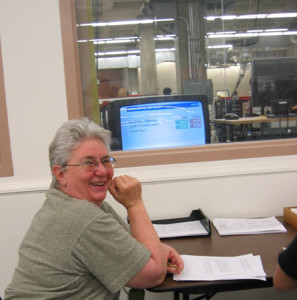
x=75 y=250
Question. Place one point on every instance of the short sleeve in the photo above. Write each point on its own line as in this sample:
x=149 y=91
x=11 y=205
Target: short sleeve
x=109 y=252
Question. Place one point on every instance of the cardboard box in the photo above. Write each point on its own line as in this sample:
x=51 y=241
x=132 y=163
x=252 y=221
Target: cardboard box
x=290 y=217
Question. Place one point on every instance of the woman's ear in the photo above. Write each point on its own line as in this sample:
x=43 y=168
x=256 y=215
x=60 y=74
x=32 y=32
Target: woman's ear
x=59 y=174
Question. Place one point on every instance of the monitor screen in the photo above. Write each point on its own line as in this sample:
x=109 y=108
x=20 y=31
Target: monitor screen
x=162 y=125
x=156 y=122
x=273 y=79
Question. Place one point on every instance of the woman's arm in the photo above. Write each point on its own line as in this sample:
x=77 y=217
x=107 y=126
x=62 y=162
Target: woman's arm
x=127 y=191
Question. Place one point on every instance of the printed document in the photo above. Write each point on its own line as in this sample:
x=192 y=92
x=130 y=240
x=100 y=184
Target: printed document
x=210 y=268
x=191 y=228
x=248 y=226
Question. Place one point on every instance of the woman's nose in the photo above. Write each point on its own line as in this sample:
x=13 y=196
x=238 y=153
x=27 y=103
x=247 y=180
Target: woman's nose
x=99 y=169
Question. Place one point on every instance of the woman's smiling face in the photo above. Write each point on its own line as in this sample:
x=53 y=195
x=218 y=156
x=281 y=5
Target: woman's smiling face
x=87 y=185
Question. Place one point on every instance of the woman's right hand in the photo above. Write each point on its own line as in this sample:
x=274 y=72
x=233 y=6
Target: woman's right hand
x=126 y=190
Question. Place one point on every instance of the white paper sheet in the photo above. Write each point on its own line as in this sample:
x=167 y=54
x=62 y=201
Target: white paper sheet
x=190 y=228
x=209 y=268
x=248 y=226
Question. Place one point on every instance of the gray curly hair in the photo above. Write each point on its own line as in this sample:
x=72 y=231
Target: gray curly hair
x=68 y=137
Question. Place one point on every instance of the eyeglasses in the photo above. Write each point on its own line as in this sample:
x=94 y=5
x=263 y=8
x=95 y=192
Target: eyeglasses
x=91 y=165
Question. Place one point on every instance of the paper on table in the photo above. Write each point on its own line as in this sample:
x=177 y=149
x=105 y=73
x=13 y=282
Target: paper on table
x=210 y=268
x=190 y=228
x=248 y=226
x=294 y=210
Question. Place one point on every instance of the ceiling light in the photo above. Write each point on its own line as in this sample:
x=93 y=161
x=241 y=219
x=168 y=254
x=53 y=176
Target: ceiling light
x=230 y=17
x=225 y=32
x=245 y=34
x=122 y=23
x=131 y=52
x=283 y=15
x=277 y=29
x=253 y=16
x=165 y=37
x=115 y=41
x=165 y=50
x=123 y=52
x=290 y=33
x=220 y=46
x=219 y=36
x=132 y=39
x=271 y=33
x=252 y=33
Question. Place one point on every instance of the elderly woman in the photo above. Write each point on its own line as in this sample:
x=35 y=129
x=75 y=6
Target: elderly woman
x=77 y=247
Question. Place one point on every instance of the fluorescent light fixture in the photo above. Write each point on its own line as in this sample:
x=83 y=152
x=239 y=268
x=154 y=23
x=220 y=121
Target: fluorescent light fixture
x=126 y=40
x=123 y=23
x=283 y=15
x=165 y=37
x=245 y=34
x=228 y=17
x=277 y=29
x=165 y=50
x=115 y=41
x=253 y=16
x=290 y=33
x=271 y=33
x=252 y=33
x=225 y=32
x=123 y=52
x=131 y=52
x=220 y=46
x=219 y=36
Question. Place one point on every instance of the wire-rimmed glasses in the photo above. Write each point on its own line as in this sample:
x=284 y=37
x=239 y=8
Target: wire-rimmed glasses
x=92 y=165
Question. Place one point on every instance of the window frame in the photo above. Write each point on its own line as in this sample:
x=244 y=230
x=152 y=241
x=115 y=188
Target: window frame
x=6 y=167
x=210 y=152
x=71 y=59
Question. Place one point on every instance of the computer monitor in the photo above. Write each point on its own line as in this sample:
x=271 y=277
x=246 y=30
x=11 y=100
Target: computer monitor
x=157 y=122
x=281 y=107
x=273 y=79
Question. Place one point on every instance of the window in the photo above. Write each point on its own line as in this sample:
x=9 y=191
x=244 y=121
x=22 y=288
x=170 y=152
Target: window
x=229 y=38
x=5 y=154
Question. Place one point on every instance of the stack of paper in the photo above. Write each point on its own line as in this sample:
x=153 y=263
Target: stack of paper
x=248 y=226
x=209 y=268
x=190 y=228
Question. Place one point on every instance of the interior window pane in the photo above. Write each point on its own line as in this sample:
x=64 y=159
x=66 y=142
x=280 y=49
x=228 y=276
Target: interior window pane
x=242 y=55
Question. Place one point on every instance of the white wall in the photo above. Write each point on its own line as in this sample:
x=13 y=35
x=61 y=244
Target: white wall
x=34 y=82
x=36 y=103
x=218 y=75
x=166 y=76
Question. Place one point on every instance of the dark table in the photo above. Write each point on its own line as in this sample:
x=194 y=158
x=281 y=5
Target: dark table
x=267 y=246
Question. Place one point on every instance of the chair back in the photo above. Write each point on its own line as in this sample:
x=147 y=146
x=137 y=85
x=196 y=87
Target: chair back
x=136 y=294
